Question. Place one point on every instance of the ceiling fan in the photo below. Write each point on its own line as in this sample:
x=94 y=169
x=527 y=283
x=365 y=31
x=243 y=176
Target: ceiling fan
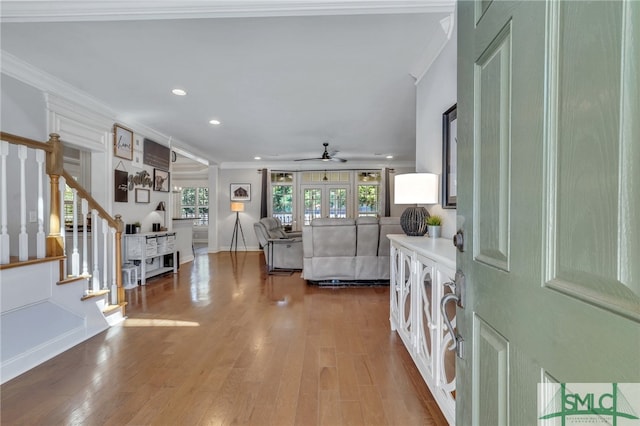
x=326 y=155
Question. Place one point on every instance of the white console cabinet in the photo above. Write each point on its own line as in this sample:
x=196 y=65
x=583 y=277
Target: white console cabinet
x=422 y=272
x=150 y=249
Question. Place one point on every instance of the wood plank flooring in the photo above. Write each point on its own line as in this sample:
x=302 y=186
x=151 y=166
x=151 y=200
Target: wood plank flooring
x=223 y=343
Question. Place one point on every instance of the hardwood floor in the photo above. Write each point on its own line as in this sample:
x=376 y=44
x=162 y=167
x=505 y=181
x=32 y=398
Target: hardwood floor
x=223 y=343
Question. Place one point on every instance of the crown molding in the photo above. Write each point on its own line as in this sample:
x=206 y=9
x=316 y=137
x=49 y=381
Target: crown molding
x=28 y=74
x=436 y=44
x=118 y=10
x=315 y=165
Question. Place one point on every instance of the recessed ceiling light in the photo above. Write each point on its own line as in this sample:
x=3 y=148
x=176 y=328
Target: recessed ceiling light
x=214 y=122
x=389 y=157
x=257 y=158
x=179 y=92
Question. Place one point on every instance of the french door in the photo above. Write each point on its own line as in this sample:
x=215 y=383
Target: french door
x=332 y=201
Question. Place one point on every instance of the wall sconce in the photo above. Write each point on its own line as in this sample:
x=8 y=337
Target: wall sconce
x=415 y=188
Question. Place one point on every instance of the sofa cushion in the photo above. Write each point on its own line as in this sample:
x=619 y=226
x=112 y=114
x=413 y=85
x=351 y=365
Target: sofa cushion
x=333 y=237
x=388 y=225
x=367 y=230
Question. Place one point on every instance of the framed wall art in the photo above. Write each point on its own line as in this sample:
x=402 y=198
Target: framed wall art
x=160 y=180
x=449 y=157
x=240 y=192
x=121 y=186
x=122 y=142
x=143 y=196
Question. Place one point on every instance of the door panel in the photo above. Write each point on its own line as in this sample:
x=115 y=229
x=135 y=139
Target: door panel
x=588 y=145
x=549 y=201
x=492 y=146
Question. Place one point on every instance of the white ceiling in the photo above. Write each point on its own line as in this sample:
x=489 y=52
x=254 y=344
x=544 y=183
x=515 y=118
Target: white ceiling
x=281 y=76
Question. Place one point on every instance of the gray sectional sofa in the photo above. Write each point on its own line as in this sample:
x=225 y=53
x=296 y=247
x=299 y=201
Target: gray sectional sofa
x=336 y=250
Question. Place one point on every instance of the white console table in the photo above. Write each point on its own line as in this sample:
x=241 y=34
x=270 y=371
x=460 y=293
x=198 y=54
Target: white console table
x=422 y=272
x=151 y=247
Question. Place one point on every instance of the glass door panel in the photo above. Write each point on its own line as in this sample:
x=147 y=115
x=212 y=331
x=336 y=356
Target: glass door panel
x=337 y=202
x=312 y=204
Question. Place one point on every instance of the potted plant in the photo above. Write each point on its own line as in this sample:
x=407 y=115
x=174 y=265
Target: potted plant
x=433 y=225
x=138 y=227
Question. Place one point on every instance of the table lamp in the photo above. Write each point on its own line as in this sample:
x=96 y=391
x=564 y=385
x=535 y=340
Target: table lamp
x=415 y=188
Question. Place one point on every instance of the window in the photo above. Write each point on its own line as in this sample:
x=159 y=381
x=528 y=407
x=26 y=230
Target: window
x=368 y=193
x=282 y=197
x=195 y=204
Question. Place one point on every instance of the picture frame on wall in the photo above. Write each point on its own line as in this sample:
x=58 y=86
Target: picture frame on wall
x=160 y=180
x=240 y=192
x=121 y=186
x=449 y=157
x=122 y=142
x=143 y=196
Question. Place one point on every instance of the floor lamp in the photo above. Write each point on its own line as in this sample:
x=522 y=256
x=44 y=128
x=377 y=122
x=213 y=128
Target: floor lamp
x=237 y=207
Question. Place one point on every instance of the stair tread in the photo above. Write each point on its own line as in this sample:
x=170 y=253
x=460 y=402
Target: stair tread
x=70 y=280
x=94 y=294
x=110 y=308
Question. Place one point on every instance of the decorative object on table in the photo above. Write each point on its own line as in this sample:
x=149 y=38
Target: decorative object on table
x=449 y=157
x=137 y=228
x=143 y=196
x=122 y=142
x=237 y=208
x=162 y=207
x=434 y=223
x=240 y=192
x=160 y=180
x=120 y=184
x=415 y=188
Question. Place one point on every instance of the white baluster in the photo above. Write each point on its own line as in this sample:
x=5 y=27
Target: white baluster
x=105 y=254
x=62 y=187
x=75 y=256
x=94 y=234
x=23 y=238
x=4 y=234
x=114 y=285
x=85 y=213
x=40 y=237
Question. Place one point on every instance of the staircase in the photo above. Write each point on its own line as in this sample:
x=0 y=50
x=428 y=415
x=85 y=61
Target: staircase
x=44 y=309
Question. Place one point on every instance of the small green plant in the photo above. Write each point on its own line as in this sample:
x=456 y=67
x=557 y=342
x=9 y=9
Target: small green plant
x=434 y=220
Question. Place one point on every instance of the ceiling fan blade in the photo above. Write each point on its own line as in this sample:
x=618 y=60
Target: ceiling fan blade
x=340 y=160
x=308 y=159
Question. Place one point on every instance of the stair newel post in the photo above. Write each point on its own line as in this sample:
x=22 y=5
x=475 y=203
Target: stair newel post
x=118 y=260
x=54 y=170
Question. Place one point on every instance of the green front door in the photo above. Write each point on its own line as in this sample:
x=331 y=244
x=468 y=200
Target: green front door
x=549 y=205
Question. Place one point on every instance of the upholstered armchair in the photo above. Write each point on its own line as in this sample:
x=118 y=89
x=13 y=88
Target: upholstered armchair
x=280 y=252
x=276 y=230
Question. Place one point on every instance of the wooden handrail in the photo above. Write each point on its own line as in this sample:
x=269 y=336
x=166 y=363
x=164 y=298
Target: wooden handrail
x=19 y=140
x=93 y=204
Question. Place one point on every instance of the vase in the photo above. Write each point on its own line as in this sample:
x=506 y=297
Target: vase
x=434 y=231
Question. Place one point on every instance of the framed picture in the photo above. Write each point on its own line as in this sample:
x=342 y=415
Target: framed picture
x=121 y=185
x=240 y=192
x=160 y=180
x=449 y=157
x=143 y=196
x=122 y=142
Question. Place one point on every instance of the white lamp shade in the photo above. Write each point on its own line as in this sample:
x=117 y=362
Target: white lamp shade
x=416 y=188
x=237 y=207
